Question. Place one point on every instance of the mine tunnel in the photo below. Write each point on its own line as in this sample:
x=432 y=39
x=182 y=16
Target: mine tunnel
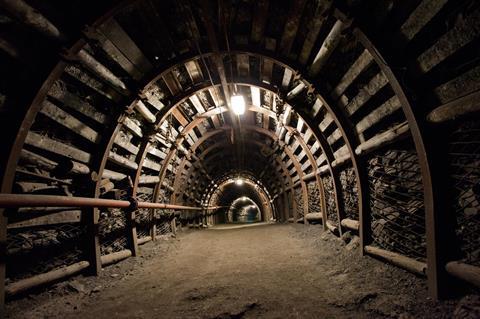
x=240 y=159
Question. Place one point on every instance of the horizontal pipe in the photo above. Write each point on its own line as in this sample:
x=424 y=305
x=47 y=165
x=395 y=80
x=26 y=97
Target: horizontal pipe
x=465 y=272
x=28 y=200
x=45 y=278
x=410 y=264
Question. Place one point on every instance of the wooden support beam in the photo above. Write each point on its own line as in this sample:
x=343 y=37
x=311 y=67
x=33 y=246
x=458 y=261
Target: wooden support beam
x=60 y=92
x=460 y=107
x=101 y=71
x=374 y=117
x=133 y=127
x=69 y=121
x=415 y=266
x=350 y=224
x=45 y=278
x=330 y=43
x=365 y=94
x=145 y=112
x=314 y=217
x=49 y=165
x=296 y=90
x=45 y=143
x=113 y=51
x=122 y=161
x=315 y=25
x=146 y=179
x=439 y=230
x=53 y=218
x=32 y=18
x=115 y=257
x=291 y=26
x=116 y=176
x=115 y=33
x=123 y=141
x=362 y=62
x=394 y=134
x=465 y=272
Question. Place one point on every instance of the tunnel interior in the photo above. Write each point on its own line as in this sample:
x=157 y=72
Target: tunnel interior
x=359 y=116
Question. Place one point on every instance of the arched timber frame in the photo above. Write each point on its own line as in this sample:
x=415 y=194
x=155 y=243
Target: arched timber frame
x=338 y=119
x=438 y=229
x=205 y=162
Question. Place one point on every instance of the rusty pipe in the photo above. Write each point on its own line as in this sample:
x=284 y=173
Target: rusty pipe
x=28 y=200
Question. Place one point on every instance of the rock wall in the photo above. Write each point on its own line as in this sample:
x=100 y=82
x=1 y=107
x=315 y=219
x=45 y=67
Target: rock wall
x=330 y=199
x=299 y=201
x=314 y=200
x=348 y=182
x=112 y=231
x=50 y=246
x=464 y=159
x=396 y=202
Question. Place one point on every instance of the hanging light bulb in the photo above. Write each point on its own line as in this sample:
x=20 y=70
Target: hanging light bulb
x=238 y=104
x=239 y=181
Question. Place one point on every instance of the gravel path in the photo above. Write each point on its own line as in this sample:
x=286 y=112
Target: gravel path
x=267 y=271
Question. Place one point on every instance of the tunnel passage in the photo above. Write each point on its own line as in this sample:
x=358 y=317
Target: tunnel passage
x=348 y=114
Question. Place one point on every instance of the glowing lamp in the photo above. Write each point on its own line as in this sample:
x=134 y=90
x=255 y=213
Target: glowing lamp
x=239 y=181
x=238 y=104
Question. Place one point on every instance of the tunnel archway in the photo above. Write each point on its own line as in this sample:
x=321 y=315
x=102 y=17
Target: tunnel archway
x=243 y=210
x=338 y=127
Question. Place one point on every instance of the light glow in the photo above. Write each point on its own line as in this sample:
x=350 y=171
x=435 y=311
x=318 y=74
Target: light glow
x=239 y=181
x=238 y=104
x=255 y=96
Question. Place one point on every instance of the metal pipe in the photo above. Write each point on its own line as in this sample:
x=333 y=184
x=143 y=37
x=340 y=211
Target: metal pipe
x=28 y=200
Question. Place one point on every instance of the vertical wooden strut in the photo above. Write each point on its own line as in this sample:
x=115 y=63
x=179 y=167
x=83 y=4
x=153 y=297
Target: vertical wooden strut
x=439 y=230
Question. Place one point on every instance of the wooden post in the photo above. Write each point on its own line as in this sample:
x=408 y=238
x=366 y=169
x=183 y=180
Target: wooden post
x=286 y=207
x=132 y=230
x=92 y=252
x=305 y=201
x=3 y=259
x=439 y=230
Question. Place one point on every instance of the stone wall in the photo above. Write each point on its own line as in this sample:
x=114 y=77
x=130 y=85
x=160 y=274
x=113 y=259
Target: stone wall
x=348 y=182
x=50 y=246
x=330 y=199
x=464 y=159
x=396 y=202
x=299 y=201
x=314 y=200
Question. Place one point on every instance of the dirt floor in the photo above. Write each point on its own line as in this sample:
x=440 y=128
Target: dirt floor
x=266 y=271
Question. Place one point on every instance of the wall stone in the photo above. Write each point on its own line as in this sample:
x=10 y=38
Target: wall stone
x=396 y=202
x=330 y=199
x=464 y=160
x=348 y=181
x=314 y=203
